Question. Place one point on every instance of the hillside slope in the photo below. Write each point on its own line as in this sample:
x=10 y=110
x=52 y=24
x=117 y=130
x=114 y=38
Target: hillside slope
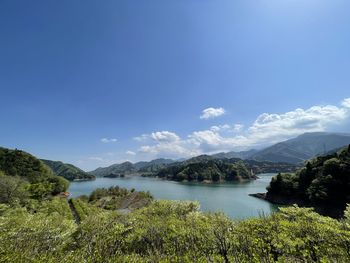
x=68 y=171
x=21 y=171
x=130 y=168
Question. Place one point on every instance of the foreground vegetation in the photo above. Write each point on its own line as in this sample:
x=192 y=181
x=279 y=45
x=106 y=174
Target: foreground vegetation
x=168 y=231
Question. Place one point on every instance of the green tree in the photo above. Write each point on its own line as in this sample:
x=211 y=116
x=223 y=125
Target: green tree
x=40 y=191
x=59 y=184
x=12 y=189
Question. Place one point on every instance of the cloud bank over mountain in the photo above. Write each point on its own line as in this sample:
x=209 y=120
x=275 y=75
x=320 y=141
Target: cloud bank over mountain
x=265 y=130
x=268 y=128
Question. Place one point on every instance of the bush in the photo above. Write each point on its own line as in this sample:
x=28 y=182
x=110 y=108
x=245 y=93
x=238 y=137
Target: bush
x=12 y=189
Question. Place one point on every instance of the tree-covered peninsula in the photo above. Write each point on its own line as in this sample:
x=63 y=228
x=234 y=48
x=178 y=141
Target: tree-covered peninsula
x=323 y=183
x=205 y=168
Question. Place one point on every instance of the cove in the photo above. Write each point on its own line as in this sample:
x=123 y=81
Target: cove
x=230 y=198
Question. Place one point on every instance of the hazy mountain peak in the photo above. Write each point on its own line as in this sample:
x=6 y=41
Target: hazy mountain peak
x=303 y=147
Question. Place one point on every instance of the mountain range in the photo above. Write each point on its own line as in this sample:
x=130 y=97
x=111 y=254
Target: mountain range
x=130 y=168
x=282 y=156
x=296 y=150
x=302 y=148
x=241 y=155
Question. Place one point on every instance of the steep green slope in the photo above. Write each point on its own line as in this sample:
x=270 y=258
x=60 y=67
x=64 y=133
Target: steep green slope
x=21 y=170
x=68 y=171
x=20 y=163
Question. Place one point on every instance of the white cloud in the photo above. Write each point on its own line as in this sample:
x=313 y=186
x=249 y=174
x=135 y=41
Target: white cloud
x=169 y=150
x=218 y=128
x=282 y=126
x=107 y=140
x=227 y=128
x=208 y=141
x=165 y=144
x=346 y=103
x=210 y=113
x=165 y=136
x=237 y=127
x=141 y=138
x=271 y=128
x=206 y=137
x=130 y=153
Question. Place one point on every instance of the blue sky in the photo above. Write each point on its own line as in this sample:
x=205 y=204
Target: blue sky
x=99 y=82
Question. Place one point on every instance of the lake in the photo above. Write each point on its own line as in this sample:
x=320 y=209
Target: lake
x=230 y=198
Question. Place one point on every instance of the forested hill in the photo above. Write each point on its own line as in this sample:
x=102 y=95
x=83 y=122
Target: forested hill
x=19 y=163
x=22 y=174
x=130 y=168
x=68 y=171
x=324 y=181
x=206 y=170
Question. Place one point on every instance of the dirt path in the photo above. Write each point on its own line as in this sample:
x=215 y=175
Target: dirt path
x=74 y=212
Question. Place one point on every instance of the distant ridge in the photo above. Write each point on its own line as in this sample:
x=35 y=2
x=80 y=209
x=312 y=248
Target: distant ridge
x=154 y=164
x=129 y=168
x=126 y=167
x=302 y=148
x=293 y=151
x=241 y=155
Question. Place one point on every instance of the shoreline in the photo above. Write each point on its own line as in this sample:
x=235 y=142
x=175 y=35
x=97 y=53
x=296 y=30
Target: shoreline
x=325 y=210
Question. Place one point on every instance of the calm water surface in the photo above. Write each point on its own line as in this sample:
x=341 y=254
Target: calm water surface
x=230 y=198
